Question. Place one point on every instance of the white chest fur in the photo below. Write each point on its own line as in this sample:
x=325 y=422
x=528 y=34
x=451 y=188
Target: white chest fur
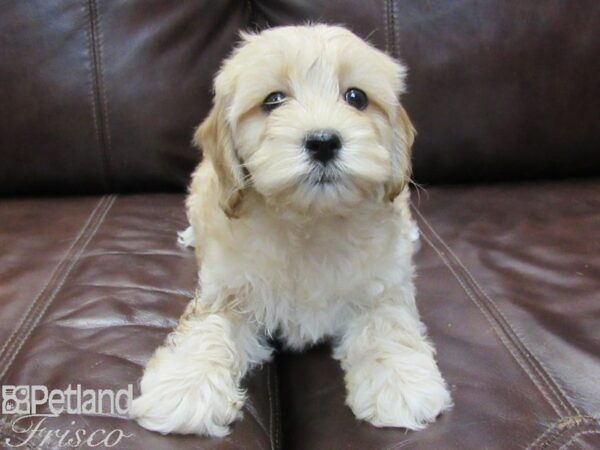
x=304 y=278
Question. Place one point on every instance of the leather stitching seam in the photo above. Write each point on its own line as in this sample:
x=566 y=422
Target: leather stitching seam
x=99 y=101
x=44 y=302
x=274 y=420
x=562 y=428
x=102 y=85
x=575 y=436
x=386 y=22
x=269 y=395
x=508 y=331
x=551 y=382
x=501 y=335
x=394 y=28
x=92 y=90
x=559 y=439
x=277 y=409
x=57 y=269
x=389 y=27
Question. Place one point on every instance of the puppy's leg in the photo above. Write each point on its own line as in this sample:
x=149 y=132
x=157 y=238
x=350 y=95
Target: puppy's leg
x=186 y=237
x=192 y=383
x=391 y=376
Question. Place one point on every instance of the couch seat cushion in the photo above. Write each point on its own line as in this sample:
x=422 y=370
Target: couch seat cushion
x=89 y=287
x=508 y=284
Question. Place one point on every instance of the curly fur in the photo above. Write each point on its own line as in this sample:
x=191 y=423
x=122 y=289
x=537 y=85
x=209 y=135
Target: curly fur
x=282 y=255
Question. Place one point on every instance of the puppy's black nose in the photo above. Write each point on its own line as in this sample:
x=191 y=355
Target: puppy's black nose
x=322 y=145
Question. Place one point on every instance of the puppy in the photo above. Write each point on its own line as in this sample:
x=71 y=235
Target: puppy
x=299 y=213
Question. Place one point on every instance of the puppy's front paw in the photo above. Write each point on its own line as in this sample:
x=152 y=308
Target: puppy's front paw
x=203 y=403
x=397 y=394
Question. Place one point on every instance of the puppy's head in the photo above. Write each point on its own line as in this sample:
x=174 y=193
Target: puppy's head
x=309 y=117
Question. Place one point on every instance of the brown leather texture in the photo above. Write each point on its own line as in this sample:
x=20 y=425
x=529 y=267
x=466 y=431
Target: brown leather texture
x=100 y=97
x=89 y=288
x=508 y=284
x=103 y=96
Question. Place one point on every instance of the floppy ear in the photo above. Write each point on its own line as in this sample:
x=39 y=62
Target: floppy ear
x=404 y=137
x=214 y=137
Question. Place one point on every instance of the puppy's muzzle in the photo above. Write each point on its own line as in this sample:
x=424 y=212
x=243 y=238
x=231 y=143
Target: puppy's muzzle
x=322 y=145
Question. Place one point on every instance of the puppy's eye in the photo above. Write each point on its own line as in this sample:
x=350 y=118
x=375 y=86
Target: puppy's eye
x=357 y=98
x=273 y=100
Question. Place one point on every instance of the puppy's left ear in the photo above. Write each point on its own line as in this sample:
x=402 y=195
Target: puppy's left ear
x=404 y=137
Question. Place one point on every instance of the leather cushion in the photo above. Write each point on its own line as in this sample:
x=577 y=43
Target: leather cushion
x=102 y=96
x=89 y=288
x=507 y=282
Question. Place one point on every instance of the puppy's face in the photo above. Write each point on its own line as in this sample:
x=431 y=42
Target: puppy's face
x=309 y=118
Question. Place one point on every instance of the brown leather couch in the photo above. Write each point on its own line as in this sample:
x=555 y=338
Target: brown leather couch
x=98 y=102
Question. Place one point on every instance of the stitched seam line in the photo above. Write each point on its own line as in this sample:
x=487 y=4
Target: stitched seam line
x=562 y=427
x=541 y=370
x=560 y=438
x=250 y=24
x=42 y=305
x=575 y=436
x=277 y=408
x=102 y=84
x=92 y=93
x=99 y=103
x=273 y=429
x=385 y=25
x=389 y=44
x=394 y=29
x=40 y=309
x=507 y=330
x=53 y=275
x=251 y=410
x=391 y=27
x=270 y=395
x=503 y=338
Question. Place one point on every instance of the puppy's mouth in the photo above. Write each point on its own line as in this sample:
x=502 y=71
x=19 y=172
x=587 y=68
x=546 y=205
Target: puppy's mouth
x=321 y=175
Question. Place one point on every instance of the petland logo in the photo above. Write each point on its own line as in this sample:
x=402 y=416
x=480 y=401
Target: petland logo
x=24 y=402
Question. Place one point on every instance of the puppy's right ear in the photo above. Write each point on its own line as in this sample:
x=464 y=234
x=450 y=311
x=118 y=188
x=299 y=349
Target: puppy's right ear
x=214 y=138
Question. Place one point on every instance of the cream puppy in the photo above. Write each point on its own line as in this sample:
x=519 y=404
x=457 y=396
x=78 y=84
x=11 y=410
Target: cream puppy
x=299 y=214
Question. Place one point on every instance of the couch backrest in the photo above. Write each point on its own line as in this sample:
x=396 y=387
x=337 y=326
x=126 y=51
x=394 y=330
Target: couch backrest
x=103 y=95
